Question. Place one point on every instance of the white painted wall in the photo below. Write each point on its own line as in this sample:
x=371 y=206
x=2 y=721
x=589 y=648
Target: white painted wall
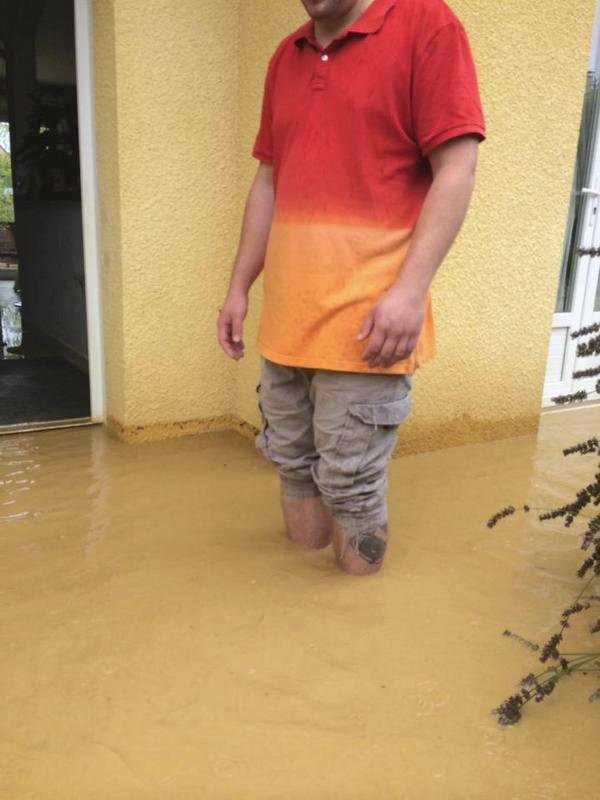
x=50 y=243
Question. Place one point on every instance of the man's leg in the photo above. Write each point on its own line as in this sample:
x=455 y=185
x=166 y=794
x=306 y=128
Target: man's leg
x=307 y=521
x=286 y=440
x=355 y=422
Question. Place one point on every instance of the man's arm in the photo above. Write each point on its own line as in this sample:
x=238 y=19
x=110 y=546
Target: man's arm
x=393 y=325
x=248 y=262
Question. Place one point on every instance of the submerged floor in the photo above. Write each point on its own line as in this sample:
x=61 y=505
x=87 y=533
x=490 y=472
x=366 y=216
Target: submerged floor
x=35 y=385
x=161 y=639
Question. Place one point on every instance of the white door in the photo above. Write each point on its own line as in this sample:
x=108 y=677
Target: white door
x=89 y=204
x=578 y=300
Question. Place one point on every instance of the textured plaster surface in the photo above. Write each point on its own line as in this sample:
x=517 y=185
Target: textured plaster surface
x=173 y=430
x=167 y=85
x=178 y=104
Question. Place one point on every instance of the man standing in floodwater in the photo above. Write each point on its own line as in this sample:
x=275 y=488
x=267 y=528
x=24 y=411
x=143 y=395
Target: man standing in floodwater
x=367 y=145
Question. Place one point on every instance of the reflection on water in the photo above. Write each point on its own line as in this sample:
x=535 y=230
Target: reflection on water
x=160 y=635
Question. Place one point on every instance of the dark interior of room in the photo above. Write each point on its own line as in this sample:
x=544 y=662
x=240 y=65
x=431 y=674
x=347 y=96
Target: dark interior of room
x=43 y=337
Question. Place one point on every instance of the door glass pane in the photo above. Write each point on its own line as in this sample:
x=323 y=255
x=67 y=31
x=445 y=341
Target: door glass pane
x=581 y=178
x=43 y=346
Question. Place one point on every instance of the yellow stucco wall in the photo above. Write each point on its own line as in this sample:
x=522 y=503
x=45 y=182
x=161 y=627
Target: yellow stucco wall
x=170 y=198
x=178 y=96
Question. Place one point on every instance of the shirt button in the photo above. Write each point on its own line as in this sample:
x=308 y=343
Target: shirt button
x=324 y=57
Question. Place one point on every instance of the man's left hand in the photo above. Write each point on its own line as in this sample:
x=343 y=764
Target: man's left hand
x=392 y=328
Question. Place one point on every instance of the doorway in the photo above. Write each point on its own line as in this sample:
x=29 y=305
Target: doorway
x=50 y=351
x=578 y=299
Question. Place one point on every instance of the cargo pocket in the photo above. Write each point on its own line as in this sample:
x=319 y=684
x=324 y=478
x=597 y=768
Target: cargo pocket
x=384 y=415
x=368 y=438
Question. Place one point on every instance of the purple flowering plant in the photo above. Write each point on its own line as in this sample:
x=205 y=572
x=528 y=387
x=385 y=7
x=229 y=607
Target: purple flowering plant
x=557 y=660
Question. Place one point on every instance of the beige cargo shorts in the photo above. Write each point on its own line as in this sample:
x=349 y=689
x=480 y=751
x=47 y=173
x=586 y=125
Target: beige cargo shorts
x=332 y=434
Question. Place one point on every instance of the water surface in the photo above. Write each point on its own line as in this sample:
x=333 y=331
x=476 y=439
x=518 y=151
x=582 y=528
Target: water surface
x=161 y=639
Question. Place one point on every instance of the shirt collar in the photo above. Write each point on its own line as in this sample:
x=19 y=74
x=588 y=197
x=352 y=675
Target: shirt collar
x=370 y=21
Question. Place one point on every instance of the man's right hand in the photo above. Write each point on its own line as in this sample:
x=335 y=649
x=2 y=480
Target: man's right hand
x=230 y=324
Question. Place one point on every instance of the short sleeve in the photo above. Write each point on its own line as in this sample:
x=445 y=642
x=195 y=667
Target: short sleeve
x=263 y=144
x=445 y=94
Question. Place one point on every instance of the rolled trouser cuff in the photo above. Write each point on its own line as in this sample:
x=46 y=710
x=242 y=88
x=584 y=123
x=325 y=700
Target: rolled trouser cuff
x=351 y=525
x=296 y=488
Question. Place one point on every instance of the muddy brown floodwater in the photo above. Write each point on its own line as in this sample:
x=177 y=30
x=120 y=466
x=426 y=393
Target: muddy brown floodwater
x=160 y=638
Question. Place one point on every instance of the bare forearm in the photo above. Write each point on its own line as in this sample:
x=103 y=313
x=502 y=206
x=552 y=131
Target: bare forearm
x=393 y=325
x=258 y=216
x=441 y=218
x=248 y=262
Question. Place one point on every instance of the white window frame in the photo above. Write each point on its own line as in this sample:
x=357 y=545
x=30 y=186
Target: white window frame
x=586 y=275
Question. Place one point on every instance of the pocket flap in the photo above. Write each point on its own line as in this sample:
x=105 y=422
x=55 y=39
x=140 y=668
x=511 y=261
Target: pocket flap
x=390 y=413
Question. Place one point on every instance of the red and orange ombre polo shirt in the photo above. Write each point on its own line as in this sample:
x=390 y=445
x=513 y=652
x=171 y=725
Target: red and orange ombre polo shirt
x=347 y=129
